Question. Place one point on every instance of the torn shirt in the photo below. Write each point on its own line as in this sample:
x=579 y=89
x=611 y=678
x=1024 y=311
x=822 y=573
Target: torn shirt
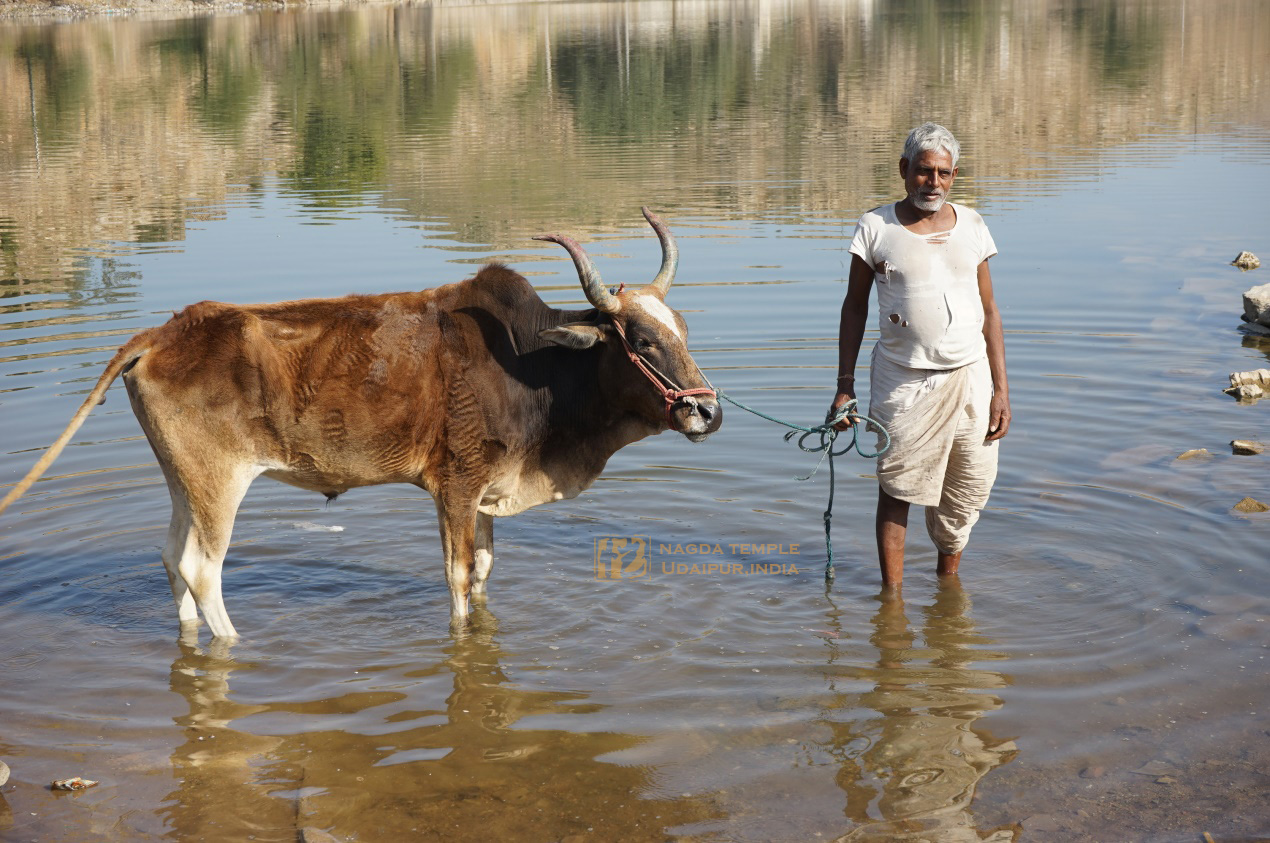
x=929 y=309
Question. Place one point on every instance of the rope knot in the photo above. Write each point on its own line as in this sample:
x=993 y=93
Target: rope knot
x=828 y=435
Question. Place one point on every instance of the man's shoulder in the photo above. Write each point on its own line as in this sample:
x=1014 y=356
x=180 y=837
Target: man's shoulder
x=875 y=218
x=968 y=214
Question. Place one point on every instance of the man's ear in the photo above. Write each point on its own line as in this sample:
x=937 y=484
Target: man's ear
x=576 y=335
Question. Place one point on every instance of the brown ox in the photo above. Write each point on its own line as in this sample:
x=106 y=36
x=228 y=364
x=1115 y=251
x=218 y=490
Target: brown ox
x=477 y=392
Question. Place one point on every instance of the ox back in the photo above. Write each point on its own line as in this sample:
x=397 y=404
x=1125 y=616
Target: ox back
x=477 y=392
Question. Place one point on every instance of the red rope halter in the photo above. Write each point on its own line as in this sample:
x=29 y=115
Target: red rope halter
x=670 y=391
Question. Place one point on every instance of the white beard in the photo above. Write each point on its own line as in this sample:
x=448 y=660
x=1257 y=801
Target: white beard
x=929 y=205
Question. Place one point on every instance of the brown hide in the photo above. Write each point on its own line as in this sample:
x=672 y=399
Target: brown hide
x=477 y=392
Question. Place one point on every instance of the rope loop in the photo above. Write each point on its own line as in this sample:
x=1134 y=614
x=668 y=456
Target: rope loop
x=824 y=445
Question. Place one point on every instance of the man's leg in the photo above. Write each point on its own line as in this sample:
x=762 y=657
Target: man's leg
x=972 y=469
x=948 y=563
x=892 y=529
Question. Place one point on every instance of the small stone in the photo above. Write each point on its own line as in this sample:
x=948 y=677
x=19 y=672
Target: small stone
x=1166 y=780
x=73 y=783
x=1247 y=447
x=309 y=834
x=1251 y=505
x=1194 y=453
x=1095 y=772
x=1246 y=260
x=1156 y=768
x=4 y=773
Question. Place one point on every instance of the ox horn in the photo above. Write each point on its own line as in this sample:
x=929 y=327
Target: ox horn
x=669 y=254
x=596 y=294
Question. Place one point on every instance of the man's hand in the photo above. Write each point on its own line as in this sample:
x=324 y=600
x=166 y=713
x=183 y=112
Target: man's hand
x=840 y=401
x=998 y=416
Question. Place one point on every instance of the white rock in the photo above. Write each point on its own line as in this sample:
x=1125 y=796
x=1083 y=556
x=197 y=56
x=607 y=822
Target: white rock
x=4 y=773
x=1258 y=377
x=1257 y=305
x=1246 y=260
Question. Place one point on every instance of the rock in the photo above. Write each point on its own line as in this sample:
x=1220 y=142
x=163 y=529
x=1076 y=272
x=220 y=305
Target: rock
x=4 y=773
x=1251 y=384
x=1251 y=505
x=1194 y=453
x=1156 y=768
x=1246 y=261
x=1257 y=305
x=1095 y=772
x=1255 y=377
x=1256 y=328
x=1247 y=447
x=309 y=834
x=1166 y=780
x=73 y=783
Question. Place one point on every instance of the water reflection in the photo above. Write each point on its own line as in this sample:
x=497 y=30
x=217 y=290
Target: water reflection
x=418 y=767
x=910 y=772
x=493 y=123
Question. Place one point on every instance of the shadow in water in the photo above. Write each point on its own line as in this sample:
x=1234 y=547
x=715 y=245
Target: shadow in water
x=445 y=760
x=910 y=772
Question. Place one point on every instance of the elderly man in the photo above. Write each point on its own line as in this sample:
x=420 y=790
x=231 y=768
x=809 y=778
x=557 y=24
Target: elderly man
x=937 y=374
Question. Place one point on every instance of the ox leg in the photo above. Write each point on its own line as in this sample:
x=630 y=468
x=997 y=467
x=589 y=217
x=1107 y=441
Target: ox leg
x=483 y=554
x=178 y=530
x=203 y=510
x=458 y=541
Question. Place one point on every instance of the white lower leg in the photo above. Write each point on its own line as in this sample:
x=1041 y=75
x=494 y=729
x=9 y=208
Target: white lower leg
x=484 y=552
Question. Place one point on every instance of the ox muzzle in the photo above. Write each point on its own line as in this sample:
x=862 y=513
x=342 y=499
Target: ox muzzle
x=693 y=412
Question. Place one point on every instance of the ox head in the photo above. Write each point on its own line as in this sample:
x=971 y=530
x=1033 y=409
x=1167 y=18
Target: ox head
x=645 y=342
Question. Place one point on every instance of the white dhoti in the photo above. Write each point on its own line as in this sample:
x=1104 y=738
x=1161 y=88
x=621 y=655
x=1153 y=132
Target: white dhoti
x=938 y=421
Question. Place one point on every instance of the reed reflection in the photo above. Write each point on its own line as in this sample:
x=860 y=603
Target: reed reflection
x=437 y=760
x=126 y=131
x=910 y=772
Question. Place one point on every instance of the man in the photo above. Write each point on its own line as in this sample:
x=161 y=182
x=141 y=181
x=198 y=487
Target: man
x=937 y=374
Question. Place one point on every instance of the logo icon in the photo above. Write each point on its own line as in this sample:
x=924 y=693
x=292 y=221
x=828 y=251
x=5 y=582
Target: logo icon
x=622 y=557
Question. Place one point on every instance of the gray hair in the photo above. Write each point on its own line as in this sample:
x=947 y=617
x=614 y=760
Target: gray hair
x=930 y=136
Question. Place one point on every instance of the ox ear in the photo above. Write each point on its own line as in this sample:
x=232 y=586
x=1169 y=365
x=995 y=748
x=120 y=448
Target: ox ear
x=576 y=335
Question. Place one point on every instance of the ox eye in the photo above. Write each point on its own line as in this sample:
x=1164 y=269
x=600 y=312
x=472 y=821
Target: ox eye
x=643 y=345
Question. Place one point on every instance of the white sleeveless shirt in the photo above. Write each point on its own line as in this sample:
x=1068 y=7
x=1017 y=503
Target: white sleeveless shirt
x=930 y=315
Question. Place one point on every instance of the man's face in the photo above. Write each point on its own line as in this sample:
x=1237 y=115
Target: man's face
x=928 y=179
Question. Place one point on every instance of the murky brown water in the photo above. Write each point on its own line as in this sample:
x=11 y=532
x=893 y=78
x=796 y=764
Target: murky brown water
x=1112 y=611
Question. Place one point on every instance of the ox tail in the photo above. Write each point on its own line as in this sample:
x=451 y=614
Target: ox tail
x=122 y=360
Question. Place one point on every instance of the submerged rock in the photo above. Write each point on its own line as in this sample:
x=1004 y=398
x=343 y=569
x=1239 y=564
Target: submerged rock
x=1194 y=453
x=1257 y=305
x=1251 y=505
x=1247 y=447
x=73 y=783
x=1246 y=261
x=1157 y=768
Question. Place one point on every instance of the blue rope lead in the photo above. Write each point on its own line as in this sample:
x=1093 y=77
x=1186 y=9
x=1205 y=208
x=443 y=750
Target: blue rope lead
x=824 y=445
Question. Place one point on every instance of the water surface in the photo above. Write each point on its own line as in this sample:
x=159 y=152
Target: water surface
x=1110 y=618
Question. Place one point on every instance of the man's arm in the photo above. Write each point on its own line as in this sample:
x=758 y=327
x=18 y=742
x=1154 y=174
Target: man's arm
x=855 y=316
x=999 y=411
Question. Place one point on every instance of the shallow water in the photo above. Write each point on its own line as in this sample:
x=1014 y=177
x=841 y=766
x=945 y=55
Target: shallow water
x=1111 y=613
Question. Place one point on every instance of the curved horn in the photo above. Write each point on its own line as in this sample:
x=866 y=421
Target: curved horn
x=594 y=288
x=669 y=254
